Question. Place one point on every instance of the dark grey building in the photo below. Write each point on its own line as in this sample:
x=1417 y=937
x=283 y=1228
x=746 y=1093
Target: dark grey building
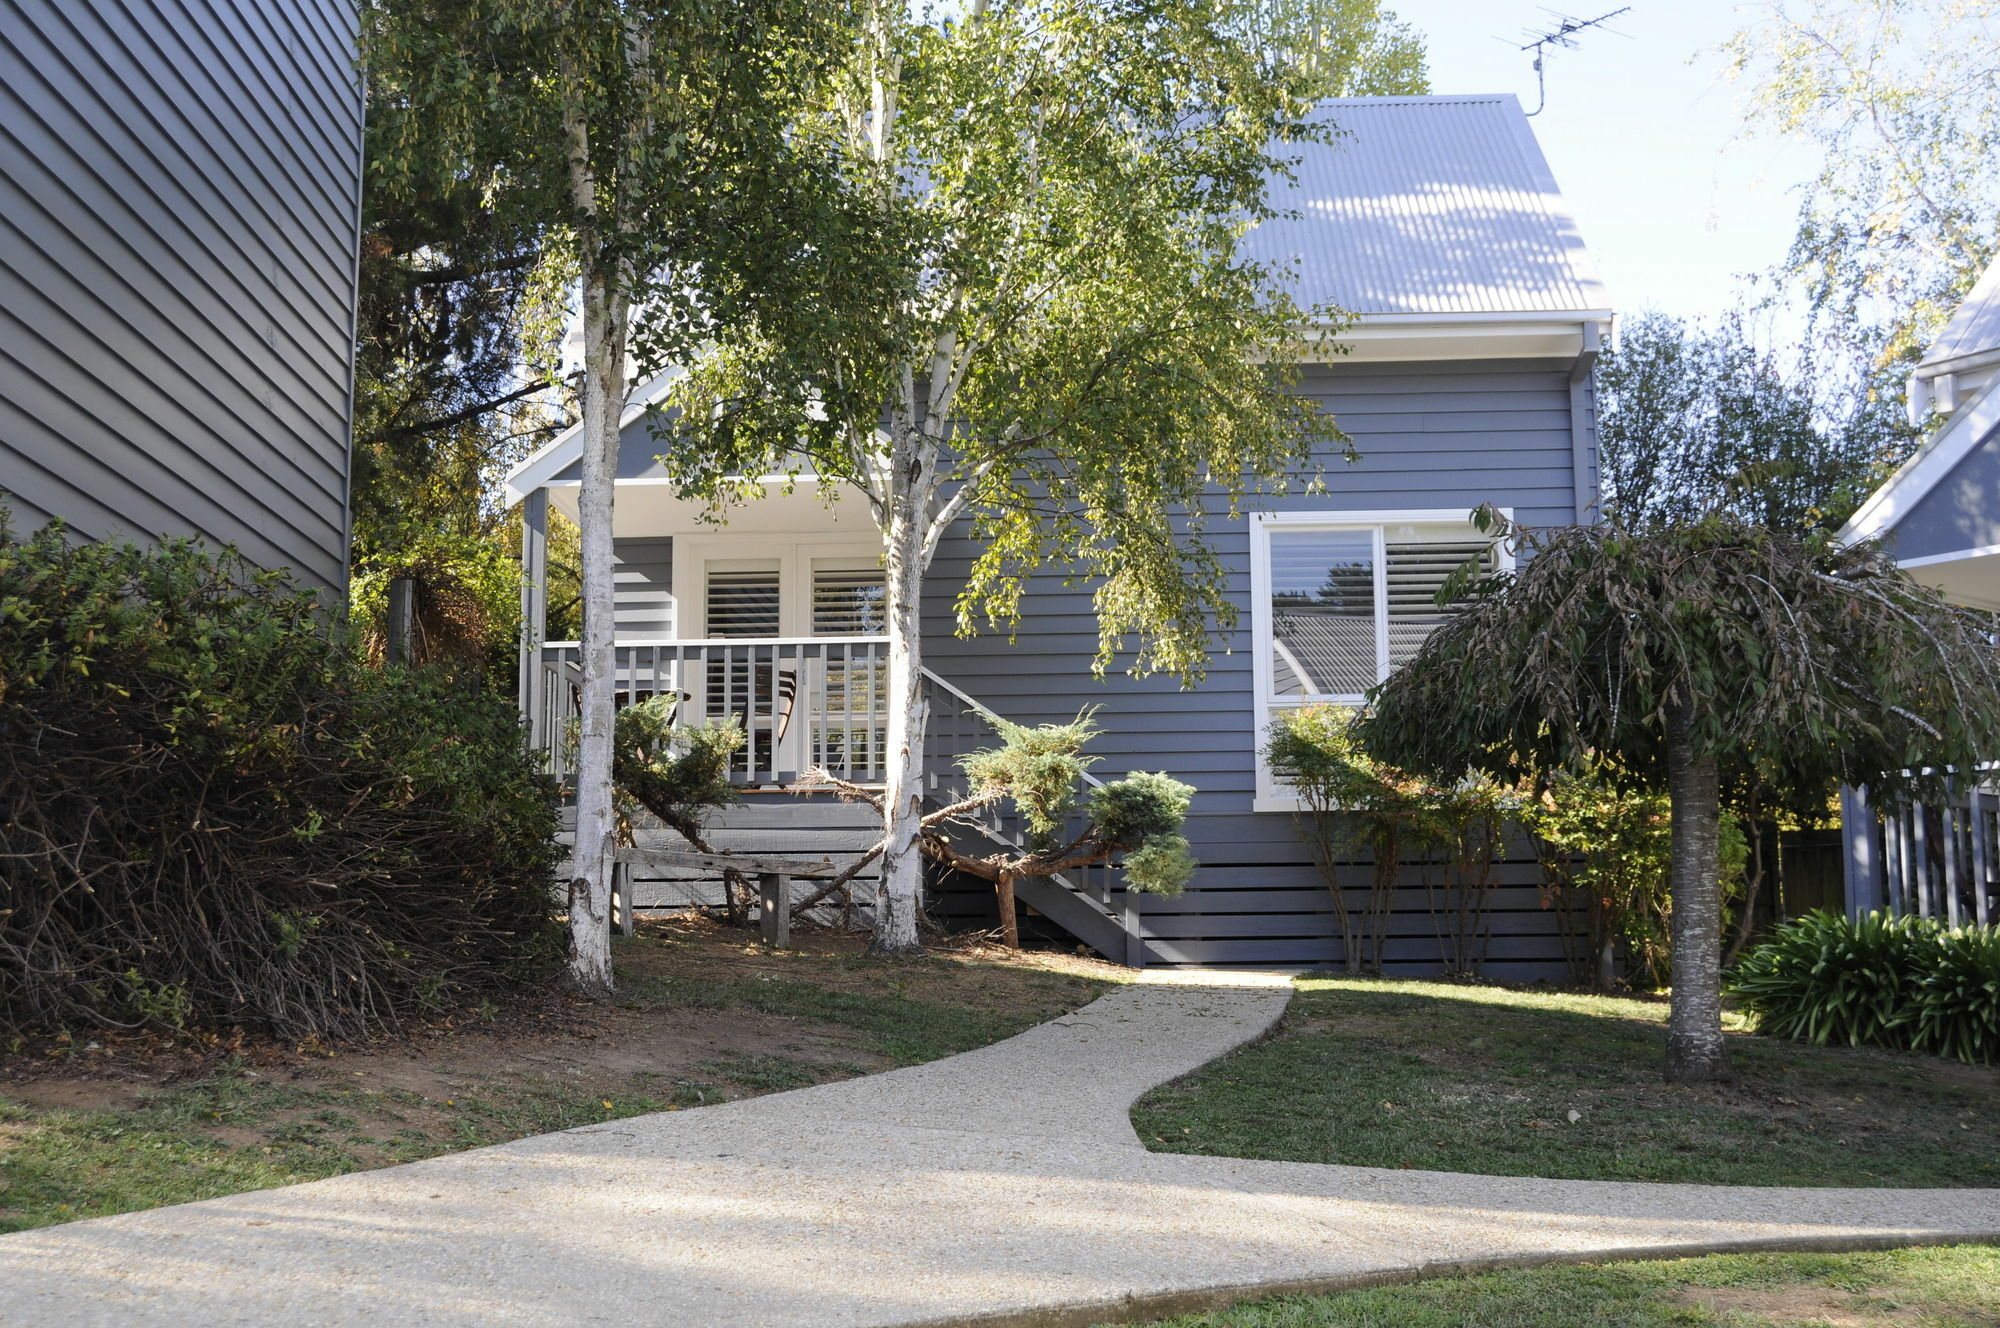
x=180 y=186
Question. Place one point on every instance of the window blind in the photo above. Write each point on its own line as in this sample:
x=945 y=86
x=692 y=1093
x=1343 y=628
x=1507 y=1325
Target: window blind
x=848 y=602
x=743 y=603
x=1415 y=572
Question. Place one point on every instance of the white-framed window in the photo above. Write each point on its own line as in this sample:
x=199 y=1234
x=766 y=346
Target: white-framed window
x=1339 y=600
x=734 y=586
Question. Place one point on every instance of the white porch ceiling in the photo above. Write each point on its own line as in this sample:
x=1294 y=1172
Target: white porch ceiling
x=651 y=507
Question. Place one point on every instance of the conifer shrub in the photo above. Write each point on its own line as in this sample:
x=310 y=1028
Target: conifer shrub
x=214 y=815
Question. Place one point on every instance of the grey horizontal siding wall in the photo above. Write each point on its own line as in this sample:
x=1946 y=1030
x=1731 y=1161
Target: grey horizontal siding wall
x=642 y=587
x=1448 y=436
x=1958 y=514
x=179 y=195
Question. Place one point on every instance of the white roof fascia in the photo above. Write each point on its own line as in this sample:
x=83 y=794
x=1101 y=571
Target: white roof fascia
x=1915 y=478
x=536 y=469
x=1978 y=359
x=1464 y=336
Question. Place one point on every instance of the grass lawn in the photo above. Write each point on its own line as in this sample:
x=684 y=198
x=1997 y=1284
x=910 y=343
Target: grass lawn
x=704 y=1014
x=1529 y=1083
x=1955 y=1287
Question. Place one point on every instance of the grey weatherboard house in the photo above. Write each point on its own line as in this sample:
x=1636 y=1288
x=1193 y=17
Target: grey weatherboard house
x=1466 y=380
x=1939 y=517
x=180 y=191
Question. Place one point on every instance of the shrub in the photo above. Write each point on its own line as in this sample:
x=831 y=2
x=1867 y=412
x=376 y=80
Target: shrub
x=1954 y=1007
x=1906 y=983
x=1606 y=842
x=213 y=814
x=1370 y=819
x=1147 y=809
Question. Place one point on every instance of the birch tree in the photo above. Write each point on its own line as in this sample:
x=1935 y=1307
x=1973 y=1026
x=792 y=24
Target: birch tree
x=645 y=144
x=1903 y=98
x=1051 y=332
x=1680 y=650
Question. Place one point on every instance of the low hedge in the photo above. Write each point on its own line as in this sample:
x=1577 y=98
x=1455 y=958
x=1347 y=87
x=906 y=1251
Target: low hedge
x=214 y=814
x=1902 y=982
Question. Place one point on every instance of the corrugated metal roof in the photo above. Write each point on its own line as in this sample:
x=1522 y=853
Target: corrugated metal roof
x=1975 y=328
x=1430 y=205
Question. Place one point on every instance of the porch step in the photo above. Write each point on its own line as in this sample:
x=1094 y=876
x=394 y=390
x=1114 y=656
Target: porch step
x=772 y=824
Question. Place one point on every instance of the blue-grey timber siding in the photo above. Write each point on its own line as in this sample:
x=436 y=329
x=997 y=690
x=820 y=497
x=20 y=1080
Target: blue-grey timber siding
x=1431 y=436
x=643 y=588
x=1960 y=513
x=179 y=200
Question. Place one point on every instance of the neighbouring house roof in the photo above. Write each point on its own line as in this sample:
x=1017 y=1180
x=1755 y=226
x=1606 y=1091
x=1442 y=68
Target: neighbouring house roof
x=1430 y=206
x=1974 y=329
x=1966 y=355
x=1939 y=514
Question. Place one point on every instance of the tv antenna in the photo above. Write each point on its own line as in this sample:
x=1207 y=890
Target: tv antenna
x=1564 y=35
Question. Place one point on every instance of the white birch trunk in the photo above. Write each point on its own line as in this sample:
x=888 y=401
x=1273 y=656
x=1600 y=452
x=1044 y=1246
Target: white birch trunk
x=1696 y=1050
x=899 y=894
x=604 y=335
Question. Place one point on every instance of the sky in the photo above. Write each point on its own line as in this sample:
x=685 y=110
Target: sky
x=1644 y=135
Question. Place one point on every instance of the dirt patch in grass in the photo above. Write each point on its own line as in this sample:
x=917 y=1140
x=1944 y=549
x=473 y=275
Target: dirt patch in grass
x=704 y=1014
x=1823 y=1307
x=1515 y=1082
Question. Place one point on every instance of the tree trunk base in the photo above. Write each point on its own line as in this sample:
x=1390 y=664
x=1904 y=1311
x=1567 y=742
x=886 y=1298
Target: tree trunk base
x=1010 y=922
x=1692 y=1062
x=877 y=949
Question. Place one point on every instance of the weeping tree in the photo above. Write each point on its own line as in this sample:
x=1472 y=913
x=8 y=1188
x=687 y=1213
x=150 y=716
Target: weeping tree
x=1673 y=651
x=1063 y=342
x=642 y=153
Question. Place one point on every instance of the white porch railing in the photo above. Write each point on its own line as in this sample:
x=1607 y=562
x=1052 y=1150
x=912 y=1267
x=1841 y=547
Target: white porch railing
x=801 y=702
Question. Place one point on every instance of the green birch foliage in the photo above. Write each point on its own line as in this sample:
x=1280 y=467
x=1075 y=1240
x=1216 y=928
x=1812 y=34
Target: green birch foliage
x=1350 y=48
x=688 y=107
x=1801 y=664
x=1051 y=288
x=1903 y=97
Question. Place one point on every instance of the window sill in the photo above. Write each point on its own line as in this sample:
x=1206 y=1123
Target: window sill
x=1261 y=804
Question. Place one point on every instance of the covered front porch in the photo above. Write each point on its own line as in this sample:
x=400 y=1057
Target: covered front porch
x=767 y=615
x=802 y=702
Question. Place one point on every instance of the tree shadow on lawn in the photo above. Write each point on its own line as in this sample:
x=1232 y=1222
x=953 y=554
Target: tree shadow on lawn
x=1512 y=1082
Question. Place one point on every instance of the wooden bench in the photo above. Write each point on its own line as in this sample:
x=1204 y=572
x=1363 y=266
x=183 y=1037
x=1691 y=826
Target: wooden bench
x=774 y=883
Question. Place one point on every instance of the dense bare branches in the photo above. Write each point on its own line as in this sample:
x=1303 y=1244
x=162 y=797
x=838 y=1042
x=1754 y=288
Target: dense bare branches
x=210 y=815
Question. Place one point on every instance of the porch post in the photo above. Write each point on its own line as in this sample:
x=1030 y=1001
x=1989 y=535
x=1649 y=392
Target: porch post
x=534 y=613
x=1861 y=862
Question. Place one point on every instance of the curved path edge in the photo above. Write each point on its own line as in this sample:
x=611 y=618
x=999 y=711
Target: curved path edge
x=1002 y=1186
x=1144 y=1308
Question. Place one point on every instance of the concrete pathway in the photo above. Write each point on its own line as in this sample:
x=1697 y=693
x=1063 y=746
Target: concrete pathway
x=1004 y=1185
